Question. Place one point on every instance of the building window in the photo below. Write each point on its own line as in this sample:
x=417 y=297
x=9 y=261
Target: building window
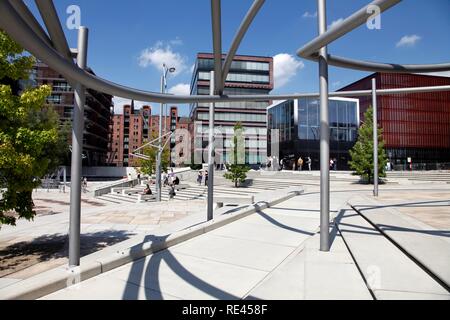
x=54 y=99
x=61 y=86
x=239 y=77
x=342 y=114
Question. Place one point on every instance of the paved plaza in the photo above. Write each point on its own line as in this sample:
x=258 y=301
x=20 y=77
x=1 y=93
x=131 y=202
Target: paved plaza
x=270 y=254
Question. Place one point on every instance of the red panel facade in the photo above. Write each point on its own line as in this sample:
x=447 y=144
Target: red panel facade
x=418 y=123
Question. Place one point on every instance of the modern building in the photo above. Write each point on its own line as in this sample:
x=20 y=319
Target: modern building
x=97 y=114
x=416 y=126
x=248 y=75
x=295 y=126
x=133 y=128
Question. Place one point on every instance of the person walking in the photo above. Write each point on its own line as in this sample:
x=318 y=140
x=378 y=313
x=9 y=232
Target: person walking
x=84 y=184
x=331 y=164
x=300 y=164
x=335 y=164
x=206 y=177
x=172 y=192
x=199 y=178
x=165 y=179
x=269 y=164
x=309 y=162
x=130 y=180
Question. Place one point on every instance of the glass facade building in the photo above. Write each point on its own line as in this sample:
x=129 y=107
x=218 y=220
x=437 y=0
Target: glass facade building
x=298 y=129
x=248 y=75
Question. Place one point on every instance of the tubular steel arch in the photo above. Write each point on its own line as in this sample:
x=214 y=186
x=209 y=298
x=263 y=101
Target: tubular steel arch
x=23 y=27
x=53 y=49
x=20 y=24
x=310 y=50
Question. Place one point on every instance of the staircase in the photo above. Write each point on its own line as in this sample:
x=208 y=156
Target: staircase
x=397 y=258
x=426 y=176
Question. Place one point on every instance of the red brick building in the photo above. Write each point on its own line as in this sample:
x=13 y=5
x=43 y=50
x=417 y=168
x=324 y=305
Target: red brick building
x=97 y=113
x=415 y=125
x=133 y=128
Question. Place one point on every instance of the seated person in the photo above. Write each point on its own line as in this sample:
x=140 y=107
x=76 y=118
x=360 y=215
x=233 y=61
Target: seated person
x=147 y=190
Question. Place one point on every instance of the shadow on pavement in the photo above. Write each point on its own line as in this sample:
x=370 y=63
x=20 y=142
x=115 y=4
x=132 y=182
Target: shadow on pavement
x=149 y=272
x=24 y=254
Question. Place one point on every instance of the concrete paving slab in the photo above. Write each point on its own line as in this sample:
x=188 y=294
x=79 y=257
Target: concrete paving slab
x=383 y=264
x=106 y=287
x=295 y=211
x=4 y=282
x=403 y=295
x=246 y=253
x=309 y=274
x=334 y=281
x=285 y=283
x=423 y=244
x=271 y=234
x=273 y=218
x=189 y=277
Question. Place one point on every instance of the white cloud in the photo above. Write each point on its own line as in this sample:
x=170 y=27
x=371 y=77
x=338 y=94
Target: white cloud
x=285 y=68
x=161 y=54
x=336 y=84
x=408 y=41
x=309 y=15
x=120 y=102
x=335 y=23
x=180 y=89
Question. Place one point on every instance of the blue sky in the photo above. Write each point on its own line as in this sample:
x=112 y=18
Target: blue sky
x=129 y=39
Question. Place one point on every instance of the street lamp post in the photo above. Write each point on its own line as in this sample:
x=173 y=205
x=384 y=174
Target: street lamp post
x=77 y=152
x=324 y=135
x=159 y=155
x=375 y=137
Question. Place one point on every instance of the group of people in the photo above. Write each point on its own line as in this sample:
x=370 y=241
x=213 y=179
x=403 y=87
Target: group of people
x=202 y=177
x=301 y=162
x=292 y=164
x=170 y=180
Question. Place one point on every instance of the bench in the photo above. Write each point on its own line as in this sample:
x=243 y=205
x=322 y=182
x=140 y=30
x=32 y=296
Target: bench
x=128 y=191
x=222 y=200
x=146 y=197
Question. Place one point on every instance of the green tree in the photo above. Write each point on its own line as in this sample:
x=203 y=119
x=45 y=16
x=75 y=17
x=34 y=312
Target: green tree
x=27 y=133
x=148 y=167
x=237 y=170
x=362 y=152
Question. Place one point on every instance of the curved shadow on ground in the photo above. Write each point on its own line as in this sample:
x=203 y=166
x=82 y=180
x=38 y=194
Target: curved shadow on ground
x=281 y=225
x=152 y=276
x=149 y=272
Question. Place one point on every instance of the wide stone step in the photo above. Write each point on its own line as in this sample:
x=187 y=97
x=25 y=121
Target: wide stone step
x=429 y=247
x=389 y=273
